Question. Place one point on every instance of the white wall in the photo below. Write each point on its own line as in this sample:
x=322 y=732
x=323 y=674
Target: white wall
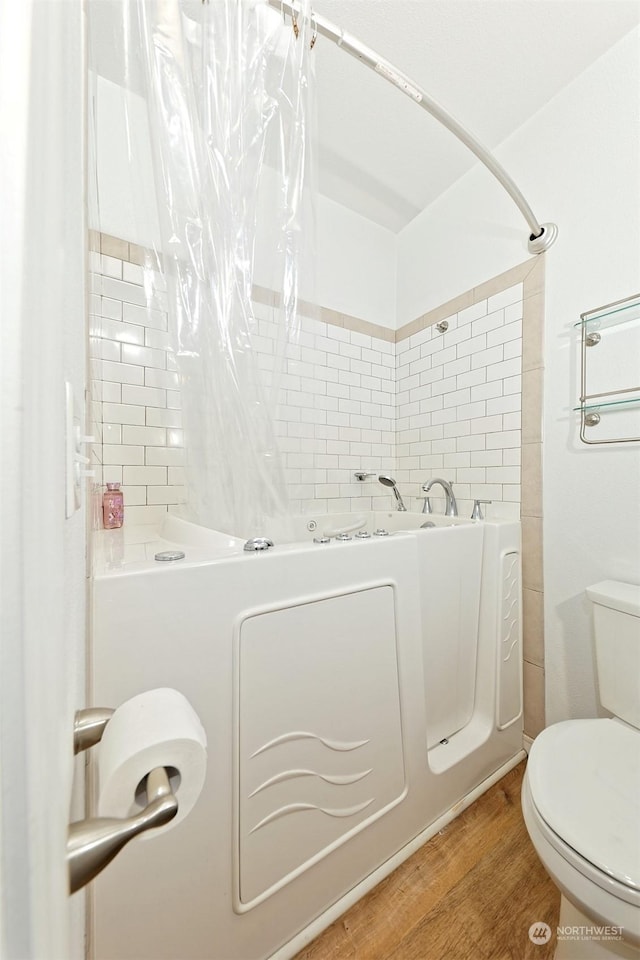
x=578 y=163
x=354 y=257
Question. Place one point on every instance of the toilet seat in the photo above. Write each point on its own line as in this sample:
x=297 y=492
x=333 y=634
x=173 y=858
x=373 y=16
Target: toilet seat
x=584 y=785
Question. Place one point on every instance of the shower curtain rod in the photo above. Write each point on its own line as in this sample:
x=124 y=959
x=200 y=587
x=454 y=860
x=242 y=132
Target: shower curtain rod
x=541 y=236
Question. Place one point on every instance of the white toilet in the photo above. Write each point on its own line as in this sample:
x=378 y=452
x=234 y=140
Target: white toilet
x=581 y=795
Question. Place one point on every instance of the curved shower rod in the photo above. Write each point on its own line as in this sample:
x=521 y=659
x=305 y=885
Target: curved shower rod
x=542 y=235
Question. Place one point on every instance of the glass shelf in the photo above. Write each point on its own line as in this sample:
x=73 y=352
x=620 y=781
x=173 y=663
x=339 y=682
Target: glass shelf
x=610 y=316
x=598 y=405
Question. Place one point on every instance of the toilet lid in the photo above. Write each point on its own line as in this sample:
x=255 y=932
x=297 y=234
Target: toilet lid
x=584 y=777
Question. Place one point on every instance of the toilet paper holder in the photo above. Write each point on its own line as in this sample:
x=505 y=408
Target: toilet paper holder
x=94 y=842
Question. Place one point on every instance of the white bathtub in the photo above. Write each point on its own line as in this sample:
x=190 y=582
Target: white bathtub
x=356 y=696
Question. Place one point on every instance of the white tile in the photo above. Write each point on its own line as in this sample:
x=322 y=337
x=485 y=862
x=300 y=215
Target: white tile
x=460 y=428
x=133 y=273
x=134 y=497
x=505 y=297
x=119 y=372
x=485 y=391
x=506 y=404
x=471 y=475
x=472 y=313
x=469 y=411
x=471 y=379
x=176 y=476
x=506 y=333
x=507 y=368
x=111 y=433
x=486 y=458
x=123 y=332
x=157 y=417
x=144 y=316
x=472 y=346
x=486 y=424
x=503 y=474
x=144 y=476
x=513 y=349
x=111 y=392
x=175 y=438
x=147 y=436
x=161 y=378
x=471 y=442
x=164 y=456
x=158 y=339
x=444 y=356
x=503 y=439
x=111 y=267
x=101 y=349
x=165 y=495
x=144 y=396
x=144 y=356
x=512 y=385
x=127 y=292
x=122 y=454
x=486 y=357
x=123 y=413
x=485 y=324
x=146 y=515
x=512 y=421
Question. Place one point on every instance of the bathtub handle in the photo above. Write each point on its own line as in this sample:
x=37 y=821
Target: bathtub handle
x=477 y=513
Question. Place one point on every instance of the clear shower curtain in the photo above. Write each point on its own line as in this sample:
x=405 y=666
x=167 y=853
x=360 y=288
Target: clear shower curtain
x=228 y=86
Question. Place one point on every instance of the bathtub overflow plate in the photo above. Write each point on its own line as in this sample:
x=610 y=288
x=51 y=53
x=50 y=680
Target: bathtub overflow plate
x=168 y=555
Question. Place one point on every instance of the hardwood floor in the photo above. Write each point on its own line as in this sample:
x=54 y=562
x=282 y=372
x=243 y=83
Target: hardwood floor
x=470 y=893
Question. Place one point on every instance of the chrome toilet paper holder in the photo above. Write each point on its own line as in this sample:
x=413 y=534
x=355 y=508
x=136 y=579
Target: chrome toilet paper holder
x=94 y=842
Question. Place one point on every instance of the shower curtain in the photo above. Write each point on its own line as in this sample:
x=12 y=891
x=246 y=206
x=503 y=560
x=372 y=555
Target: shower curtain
x=228 y=88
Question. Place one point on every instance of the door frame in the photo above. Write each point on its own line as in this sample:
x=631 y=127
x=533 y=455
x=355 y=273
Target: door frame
x=42 y=554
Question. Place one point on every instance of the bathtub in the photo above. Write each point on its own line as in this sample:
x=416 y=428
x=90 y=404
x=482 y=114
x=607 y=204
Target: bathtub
x=357 y=694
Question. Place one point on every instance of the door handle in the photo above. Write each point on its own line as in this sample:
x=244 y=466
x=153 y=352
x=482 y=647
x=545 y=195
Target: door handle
x=93 y=843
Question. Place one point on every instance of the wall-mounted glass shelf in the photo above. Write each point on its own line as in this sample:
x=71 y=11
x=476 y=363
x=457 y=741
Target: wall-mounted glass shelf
x=603 y=404
x=624 y=311
x=612 y=364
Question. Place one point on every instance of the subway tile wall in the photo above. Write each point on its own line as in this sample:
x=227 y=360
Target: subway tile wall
x=431 y=404
x=459 y=401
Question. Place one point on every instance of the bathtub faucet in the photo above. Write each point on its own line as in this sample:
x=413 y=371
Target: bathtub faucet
x=451 y=507
x=390 y=482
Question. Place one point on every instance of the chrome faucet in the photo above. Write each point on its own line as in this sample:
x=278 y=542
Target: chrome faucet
x=451 y=507
x=390 y=482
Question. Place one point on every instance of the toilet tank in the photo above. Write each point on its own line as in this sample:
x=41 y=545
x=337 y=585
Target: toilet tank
x=616 y=618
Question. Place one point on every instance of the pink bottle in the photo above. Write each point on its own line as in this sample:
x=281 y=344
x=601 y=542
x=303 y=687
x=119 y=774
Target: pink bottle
x=113 y=507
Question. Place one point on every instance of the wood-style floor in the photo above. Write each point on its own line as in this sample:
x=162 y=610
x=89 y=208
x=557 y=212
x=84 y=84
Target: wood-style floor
x=471 y=893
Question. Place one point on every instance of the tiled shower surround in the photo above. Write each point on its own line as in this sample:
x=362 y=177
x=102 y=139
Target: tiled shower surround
x=464 y=403
x=352 y=398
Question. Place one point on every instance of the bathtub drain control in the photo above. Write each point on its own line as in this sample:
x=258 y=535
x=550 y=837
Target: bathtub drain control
x=381 y=532
x=256 y=544
x=166 y=555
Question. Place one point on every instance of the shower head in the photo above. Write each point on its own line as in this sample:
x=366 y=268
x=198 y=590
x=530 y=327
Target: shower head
x=387 y=481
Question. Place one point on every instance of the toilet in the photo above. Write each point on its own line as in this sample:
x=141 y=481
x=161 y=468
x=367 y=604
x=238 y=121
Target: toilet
x=581 y=795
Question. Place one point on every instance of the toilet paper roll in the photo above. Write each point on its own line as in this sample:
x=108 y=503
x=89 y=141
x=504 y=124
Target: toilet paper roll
x=158 y=728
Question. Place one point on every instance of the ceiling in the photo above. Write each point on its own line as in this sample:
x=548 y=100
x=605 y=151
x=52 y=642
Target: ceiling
x=491 y=63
